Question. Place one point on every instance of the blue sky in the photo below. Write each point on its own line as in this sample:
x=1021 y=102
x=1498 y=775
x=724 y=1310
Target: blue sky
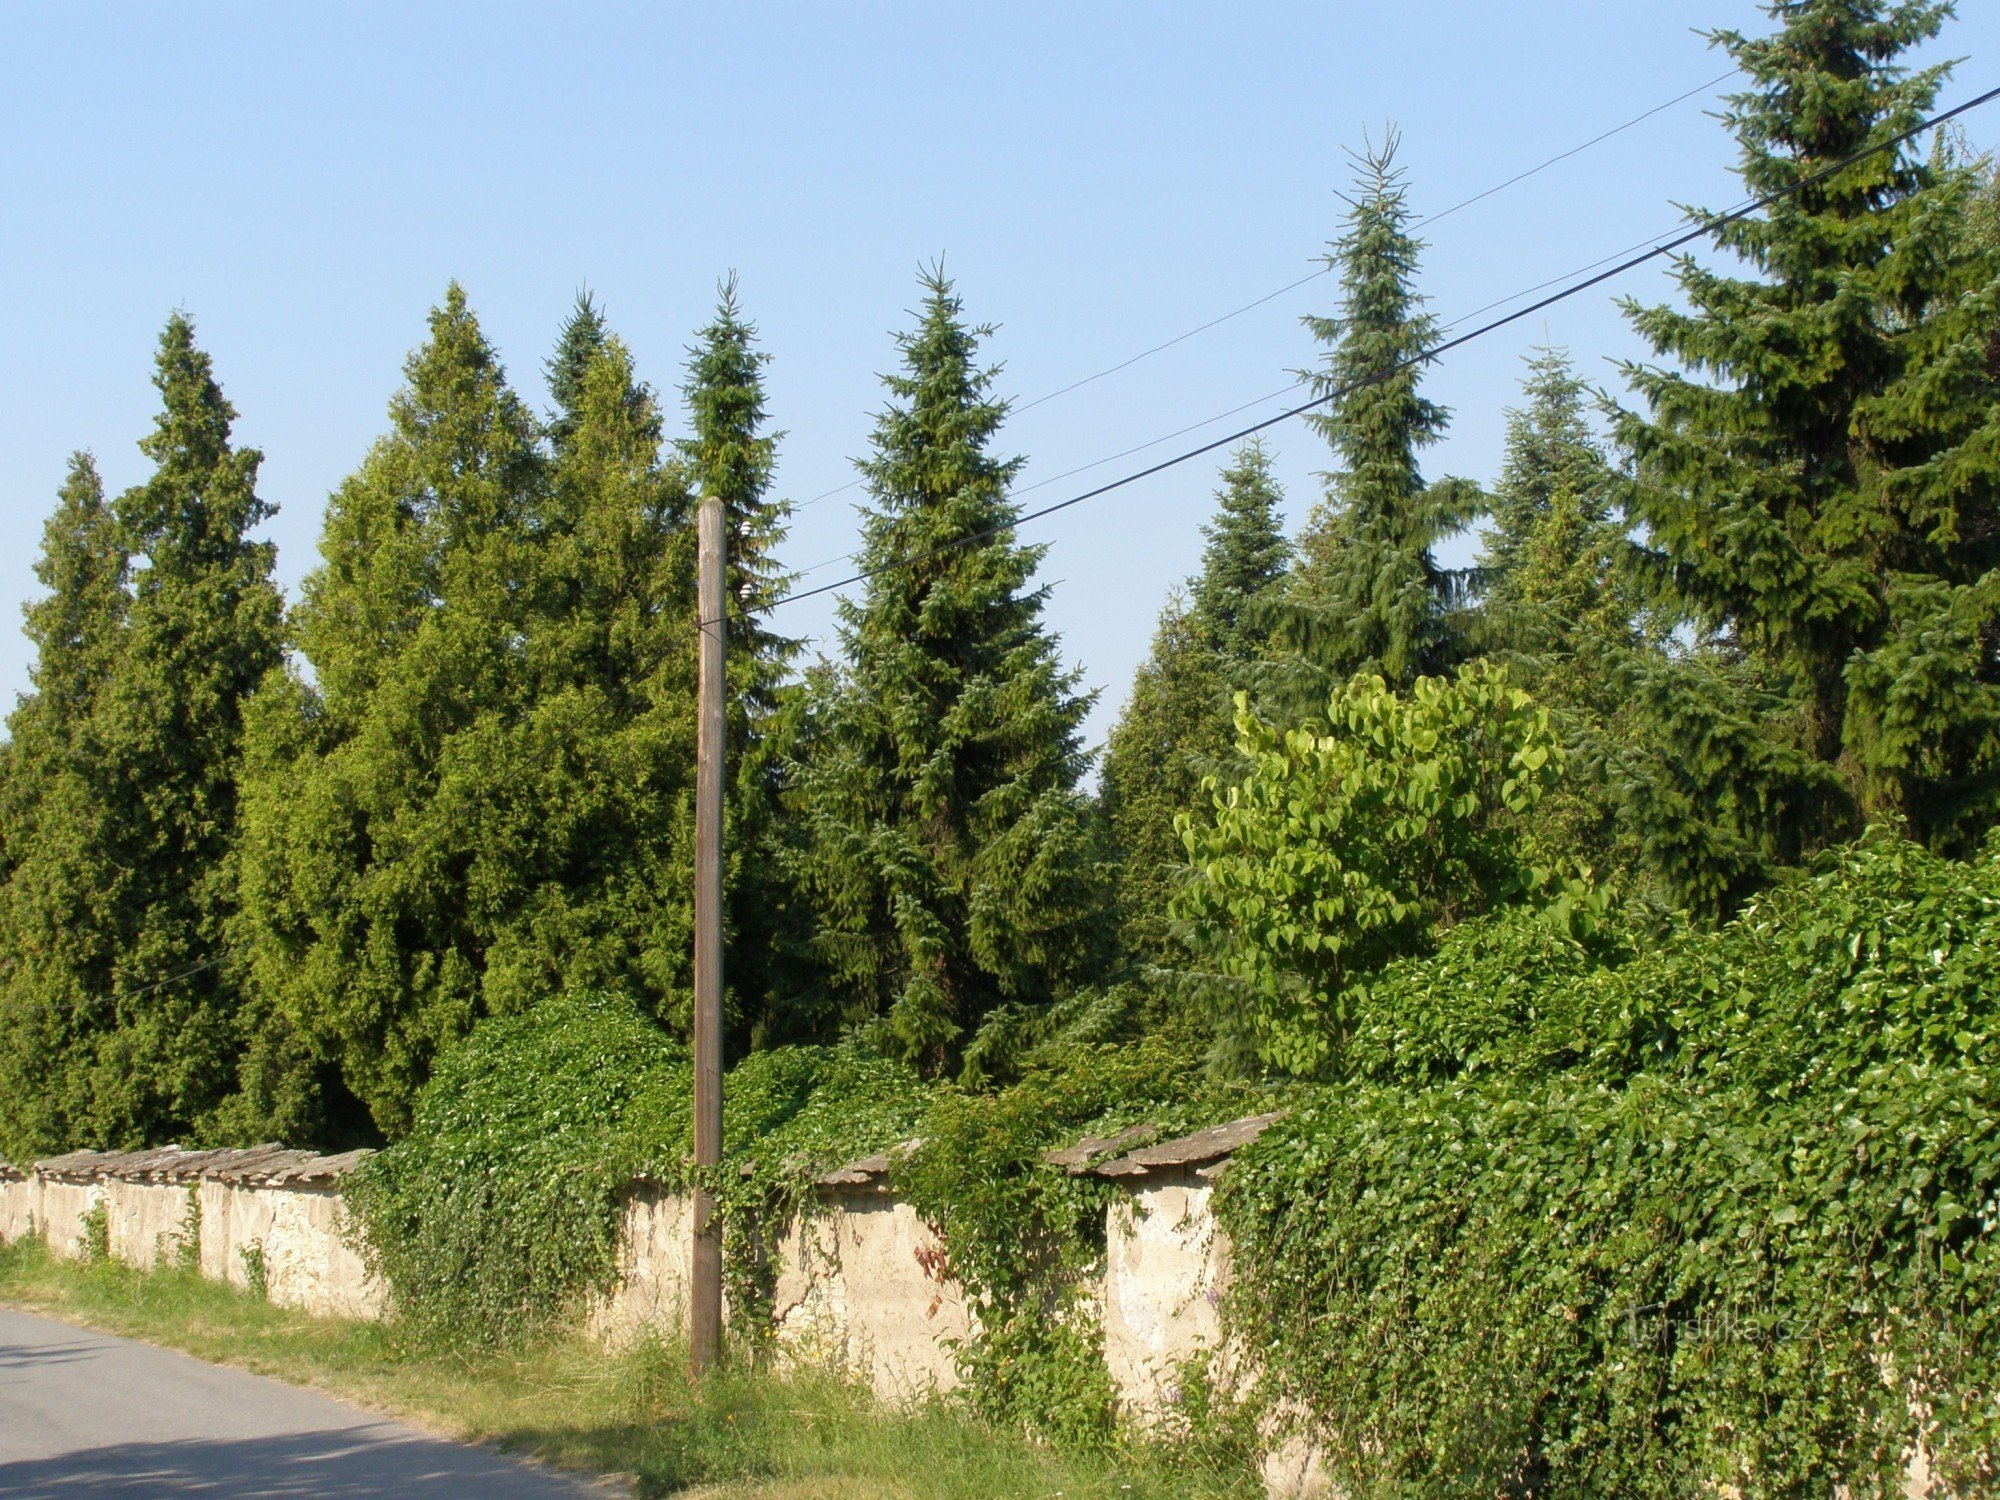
x=306 y=180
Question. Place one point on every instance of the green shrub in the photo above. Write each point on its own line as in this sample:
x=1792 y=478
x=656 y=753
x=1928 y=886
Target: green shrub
x=500 y=1210
x=1721 y=1213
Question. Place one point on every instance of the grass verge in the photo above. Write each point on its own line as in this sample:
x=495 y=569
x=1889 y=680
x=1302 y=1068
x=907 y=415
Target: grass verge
x=744 y=1435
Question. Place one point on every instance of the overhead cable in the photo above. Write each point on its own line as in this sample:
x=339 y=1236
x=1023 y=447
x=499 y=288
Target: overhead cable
x=1314 y=275
x=1709 y=225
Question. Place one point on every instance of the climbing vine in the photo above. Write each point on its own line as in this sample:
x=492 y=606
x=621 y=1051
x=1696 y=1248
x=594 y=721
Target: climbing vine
x=1025 y=1238
x=500 y=1210
x=1724 y=1214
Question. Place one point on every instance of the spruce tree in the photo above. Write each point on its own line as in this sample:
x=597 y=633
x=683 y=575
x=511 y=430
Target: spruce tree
x=1555 y=607
x=584 y=335
x=949 y=854
x=60 y=883
x=202 y=629
x=1816 y=469
x=1178 y=723
x=1554 y=529
x=1368 y=593
x=1246 y=553
x=730 y=454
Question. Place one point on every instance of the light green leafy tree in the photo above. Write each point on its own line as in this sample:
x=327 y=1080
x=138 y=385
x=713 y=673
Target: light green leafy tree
x=1351 y=842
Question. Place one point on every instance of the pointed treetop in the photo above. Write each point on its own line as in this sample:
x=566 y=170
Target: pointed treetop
x=1246 y=553
x=84 y=567
x=1370 y=595
x=584 y=335
x=930 y=443
x=1550 y=455
x=730 y=454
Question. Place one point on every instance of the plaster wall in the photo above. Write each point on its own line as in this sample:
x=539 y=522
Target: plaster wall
x=1166 y=1268
x=654 y=1244
x=63 y=1206
x=20 y=1208
x=216 y=1252
x=245 y=1228
x=145 y=1219
x=863 y=1285
x=308 y=1262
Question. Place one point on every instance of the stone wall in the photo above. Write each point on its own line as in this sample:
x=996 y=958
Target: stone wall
x=860 y=1281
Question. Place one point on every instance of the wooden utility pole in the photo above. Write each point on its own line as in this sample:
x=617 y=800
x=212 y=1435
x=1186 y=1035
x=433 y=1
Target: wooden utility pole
x=705 y=1315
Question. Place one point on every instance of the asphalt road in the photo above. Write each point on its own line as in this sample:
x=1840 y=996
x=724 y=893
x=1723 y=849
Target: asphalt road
x=85 y=1414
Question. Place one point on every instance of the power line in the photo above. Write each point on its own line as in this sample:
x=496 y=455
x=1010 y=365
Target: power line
x=1668 y=247
x=1098 y=463
x=1292 y=286
x=824 y=564
x=173 y=979
x=1445 y=213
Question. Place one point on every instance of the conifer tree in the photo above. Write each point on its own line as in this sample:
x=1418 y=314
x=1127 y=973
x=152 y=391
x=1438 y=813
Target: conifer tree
x=1816 y=469
x=1554 y=606
x=952 y=860
x=159 y=1043
x=1552 y=510
x=607 y=887
x=584 y=335
x=469 y=842
x=1246 y=553
x=59 y=880
x=729 y=454
x=1179 y=720
x=1368 y=593
x=400 y=798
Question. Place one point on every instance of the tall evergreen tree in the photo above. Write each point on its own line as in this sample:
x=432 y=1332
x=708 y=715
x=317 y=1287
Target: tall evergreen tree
x=1178 y=723
x=1554 y=606
x=60 y=883
x=148 y=1003
x=1816 y=474
x=441 y=835
x=608 y=878
x=1369 y=594
x=730 y=454
x=951 y=857
x=400 y=798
